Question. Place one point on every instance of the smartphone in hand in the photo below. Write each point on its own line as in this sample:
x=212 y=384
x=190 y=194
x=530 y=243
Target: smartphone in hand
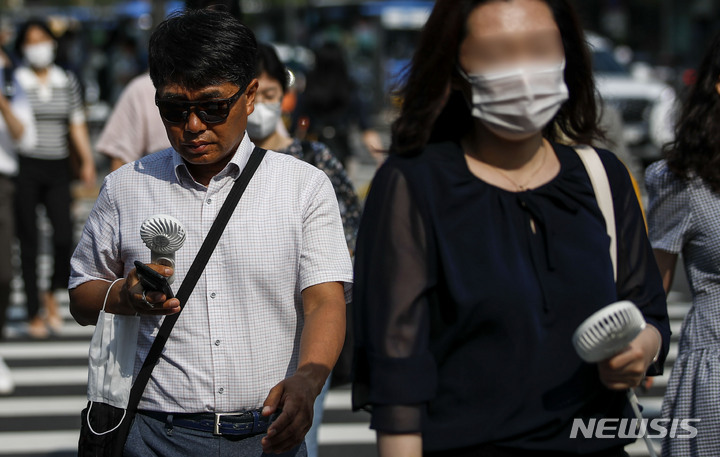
x=151 y=280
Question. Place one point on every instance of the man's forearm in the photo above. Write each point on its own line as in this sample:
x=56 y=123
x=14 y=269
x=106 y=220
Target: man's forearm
x=86 y=300
x=323 y=333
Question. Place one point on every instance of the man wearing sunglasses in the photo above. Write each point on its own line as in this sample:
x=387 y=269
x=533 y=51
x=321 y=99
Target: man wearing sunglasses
x=265 y=322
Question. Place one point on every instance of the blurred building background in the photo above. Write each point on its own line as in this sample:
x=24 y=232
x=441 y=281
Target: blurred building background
x=104 y=41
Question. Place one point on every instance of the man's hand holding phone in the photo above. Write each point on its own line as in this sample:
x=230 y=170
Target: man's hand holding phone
x=146 y=291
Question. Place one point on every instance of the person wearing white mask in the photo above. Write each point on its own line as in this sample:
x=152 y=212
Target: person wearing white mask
x=266 y=129
x=482 y=248
x=45 y=174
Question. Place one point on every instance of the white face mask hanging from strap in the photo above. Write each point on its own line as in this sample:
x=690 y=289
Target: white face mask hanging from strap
x=112 y=357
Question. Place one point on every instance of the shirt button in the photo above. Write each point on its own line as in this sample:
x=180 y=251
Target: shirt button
x=213 y=295
x=209 y=200
x=217 y=342
x=221 y=390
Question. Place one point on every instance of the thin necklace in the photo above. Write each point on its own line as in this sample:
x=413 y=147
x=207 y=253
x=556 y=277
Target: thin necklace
x=522 y=187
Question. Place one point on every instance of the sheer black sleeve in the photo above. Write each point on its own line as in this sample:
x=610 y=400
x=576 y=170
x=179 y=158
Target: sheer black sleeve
x=638 y=277
x=395 y=373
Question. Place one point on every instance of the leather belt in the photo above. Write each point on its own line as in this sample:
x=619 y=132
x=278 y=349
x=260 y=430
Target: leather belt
x=243 y=423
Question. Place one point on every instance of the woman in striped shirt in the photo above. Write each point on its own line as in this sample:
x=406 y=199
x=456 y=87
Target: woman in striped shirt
x=44 y=172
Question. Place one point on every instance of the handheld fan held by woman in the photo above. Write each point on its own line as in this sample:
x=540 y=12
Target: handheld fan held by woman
x=606 y=333
x=163 y=235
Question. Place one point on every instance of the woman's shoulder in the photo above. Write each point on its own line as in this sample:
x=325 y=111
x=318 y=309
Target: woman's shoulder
x=616 y=171
x=609 y=160
x=437 y=166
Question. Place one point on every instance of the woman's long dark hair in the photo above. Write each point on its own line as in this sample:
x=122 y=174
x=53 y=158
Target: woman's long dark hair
x=696 y=149
x=429 y=114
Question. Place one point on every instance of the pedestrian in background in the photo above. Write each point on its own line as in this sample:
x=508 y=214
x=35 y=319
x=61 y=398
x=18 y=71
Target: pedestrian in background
x=684 y=218
x=45 y=174
x=482 y=247
x=134 y=129
x=331 y=106
x=17 y=131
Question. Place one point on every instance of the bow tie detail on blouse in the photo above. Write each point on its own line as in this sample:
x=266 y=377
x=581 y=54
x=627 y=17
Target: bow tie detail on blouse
x=528 y=201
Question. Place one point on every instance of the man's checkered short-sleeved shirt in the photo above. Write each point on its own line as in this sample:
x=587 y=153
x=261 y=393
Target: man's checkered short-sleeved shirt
x=239 y=333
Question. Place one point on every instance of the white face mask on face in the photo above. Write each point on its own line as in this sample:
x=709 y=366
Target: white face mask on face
x=40 y=55
x=263 y=120
x=518 y=103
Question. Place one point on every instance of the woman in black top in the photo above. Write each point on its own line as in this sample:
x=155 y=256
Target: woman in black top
x=482 y=247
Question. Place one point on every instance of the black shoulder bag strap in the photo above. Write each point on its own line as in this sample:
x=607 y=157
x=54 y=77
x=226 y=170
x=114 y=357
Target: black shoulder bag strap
x=188 y=284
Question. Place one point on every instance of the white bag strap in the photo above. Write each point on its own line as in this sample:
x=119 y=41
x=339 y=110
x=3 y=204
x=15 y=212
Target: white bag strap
x=603 y=195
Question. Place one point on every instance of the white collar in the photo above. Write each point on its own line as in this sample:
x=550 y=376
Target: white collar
x=233 y=168
x=29 y=80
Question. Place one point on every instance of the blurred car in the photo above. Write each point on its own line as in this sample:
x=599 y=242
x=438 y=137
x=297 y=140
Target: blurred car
x=646 y=103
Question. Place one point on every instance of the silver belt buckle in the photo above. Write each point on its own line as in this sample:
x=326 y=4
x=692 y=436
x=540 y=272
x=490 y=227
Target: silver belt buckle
x=218 y=418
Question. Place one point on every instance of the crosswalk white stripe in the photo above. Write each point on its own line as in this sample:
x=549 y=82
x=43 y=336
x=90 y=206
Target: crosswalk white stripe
x=338 y=400
x=651 y=404
x=677 y=311
x=49 y=376
x=346 y=434
x=675 y=327
x=639 y=448
x=17 y=443
x=41 y=406
x=44 y=350
x=68 y=330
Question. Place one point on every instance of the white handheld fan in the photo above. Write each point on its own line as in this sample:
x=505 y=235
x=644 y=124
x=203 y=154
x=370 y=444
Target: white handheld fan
x=163 y=235
x=606 y=333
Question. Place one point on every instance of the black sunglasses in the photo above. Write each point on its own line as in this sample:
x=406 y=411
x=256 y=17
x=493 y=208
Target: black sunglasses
x=209 y=111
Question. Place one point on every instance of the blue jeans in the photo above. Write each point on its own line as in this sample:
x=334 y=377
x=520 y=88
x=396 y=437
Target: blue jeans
x=311 y=438
x=154 y=438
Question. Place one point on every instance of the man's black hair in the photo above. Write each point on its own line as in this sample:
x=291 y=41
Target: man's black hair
x=200 y=48
x=231 y=6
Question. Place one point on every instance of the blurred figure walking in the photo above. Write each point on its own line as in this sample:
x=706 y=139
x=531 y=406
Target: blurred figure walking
x=44 y=174
x=134 y=112
x=17 y=130
x=330 y=106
